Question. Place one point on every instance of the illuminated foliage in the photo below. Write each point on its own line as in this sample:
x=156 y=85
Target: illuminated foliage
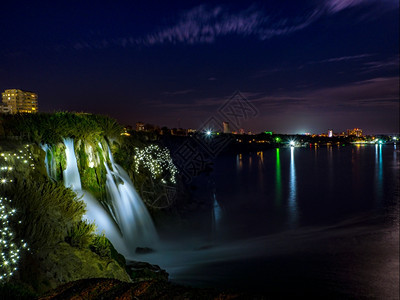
x=10 y=248
x=81 y=234
x=157 y=160
x=101 y=245
x=47 y=209
x=42 y=128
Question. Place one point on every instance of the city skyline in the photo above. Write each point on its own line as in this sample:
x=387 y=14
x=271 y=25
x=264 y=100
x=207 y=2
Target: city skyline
x=17 y=101
x=306 y=67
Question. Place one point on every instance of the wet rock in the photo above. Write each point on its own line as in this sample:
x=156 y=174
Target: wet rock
x=141 y=271
x=143 y=250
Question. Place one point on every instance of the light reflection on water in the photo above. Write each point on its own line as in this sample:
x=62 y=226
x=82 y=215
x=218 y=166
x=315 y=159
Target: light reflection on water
x=278 y=179
x=239 y=162
x=378 y=174
x=332 y=212
x=292 y=205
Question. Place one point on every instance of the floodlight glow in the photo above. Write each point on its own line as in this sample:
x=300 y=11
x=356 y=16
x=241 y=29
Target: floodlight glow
x=208 y=132
x=291 y=143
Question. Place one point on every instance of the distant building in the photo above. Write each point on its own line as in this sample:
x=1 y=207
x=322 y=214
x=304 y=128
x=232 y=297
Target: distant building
x=241 y=131
x=226 y=127
x=354 y=132
x=18 y=101
x=139 y=126
x=330 y=133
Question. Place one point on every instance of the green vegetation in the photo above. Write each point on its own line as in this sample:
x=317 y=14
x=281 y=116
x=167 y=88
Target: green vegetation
x=87 y=130
x=51 y=214
x=42 y=128
x=81 y=234
x=16 y=290
x=47 y=211
x=101 y=246
x=92 y=135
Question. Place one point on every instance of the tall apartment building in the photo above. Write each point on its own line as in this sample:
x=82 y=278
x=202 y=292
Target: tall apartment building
x=18 y=101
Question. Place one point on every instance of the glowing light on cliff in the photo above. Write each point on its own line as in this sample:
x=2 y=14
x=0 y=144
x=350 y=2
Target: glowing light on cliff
x=157 y=160
x=10 y=249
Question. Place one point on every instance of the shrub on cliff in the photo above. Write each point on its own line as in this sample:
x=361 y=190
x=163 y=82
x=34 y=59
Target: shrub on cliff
x=81 y=234
x=47 y=211
x=101 y=246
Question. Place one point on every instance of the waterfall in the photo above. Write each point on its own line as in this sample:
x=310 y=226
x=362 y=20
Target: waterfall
x=127 y=209
x=95 y=212
x=71 y=176
x=131 y=214
x=50 y=165
x=216 y=213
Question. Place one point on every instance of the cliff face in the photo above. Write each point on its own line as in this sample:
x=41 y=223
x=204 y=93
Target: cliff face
x=64 y=263
x=48 y=217
x=64 y=248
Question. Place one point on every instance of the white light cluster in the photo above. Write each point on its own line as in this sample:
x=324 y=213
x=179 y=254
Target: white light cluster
x=9 y=249
x=157 y=160
x=21 y=155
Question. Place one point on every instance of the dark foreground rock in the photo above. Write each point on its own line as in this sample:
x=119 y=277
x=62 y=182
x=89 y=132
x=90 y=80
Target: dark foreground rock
x=101 y=288
x=143 y=271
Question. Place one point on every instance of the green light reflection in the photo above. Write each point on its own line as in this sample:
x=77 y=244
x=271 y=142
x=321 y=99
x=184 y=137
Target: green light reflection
x=278 y=185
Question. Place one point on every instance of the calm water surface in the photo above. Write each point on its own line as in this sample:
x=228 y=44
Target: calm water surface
x=320 y=222
x=288 y=188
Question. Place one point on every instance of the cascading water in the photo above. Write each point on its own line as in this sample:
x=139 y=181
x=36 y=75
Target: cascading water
x=71 y=175
x=132 y=216
x=50 y=164
x=128 y=210
x=94 y=211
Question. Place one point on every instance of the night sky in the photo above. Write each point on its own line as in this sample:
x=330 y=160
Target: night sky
x=307 y=66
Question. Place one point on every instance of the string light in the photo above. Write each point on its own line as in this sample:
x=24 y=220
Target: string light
x=156 y=160
x=10 y=250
